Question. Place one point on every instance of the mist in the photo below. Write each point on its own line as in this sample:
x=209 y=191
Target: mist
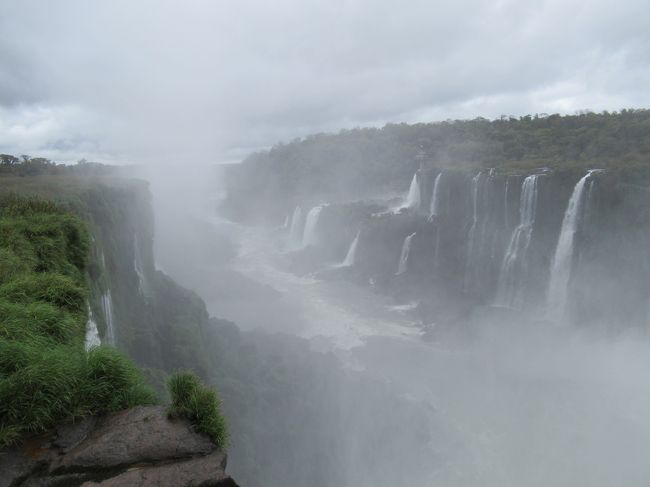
x=483 y=390
x=421 y=231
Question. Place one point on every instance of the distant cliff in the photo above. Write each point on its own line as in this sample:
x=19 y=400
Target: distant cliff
x=500 y=217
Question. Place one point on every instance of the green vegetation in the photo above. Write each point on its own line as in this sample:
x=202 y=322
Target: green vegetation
x=354 y=162
x=199 y=403
x=25 y=165
x=596 y=139
x=46 y=376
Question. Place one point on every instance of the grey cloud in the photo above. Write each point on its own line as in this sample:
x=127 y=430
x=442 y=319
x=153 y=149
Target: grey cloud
x=211 y=79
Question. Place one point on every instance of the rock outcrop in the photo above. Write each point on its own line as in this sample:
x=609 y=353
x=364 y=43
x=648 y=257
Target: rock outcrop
x=132 y=448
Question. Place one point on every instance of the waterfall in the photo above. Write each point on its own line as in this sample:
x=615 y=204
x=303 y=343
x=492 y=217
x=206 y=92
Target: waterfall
x=413 y=198
x=404 y=256
x=295 y=230
x=561 y=266
x=286 y=223
x=138 y=268
x=506 y=217
x=471 y=236
x=107 y=307
x=351 y=256
x=92 y=334
x=435 y=197
x=310 y=237
x=514 y=266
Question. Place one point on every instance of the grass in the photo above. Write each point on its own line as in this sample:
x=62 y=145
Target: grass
x=46 y=375
x=192 y=399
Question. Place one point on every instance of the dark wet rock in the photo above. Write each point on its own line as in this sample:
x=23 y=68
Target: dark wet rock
x=136 y=447
x=15 y=465
x=205 y=471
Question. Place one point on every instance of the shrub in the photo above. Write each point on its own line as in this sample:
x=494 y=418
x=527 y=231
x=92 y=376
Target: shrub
x=114 y=382
x=192 y=399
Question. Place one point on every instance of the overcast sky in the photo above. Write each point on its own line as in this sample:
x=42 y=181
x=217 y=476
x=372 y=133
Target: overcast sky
x=136 y=80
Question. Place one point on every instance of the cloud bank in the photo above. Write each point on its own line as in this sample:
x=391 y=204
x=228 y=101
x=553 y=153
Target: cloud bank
x=200 y=80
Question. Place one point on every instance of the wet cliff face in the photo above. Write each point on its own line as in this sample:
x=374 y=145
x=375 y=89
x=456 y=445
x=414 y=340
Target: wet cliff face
x=484 y=238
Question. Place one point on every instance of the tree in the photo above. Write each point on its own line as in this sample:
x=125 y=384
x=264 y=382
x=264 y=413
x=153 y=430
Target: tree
x=8 y=160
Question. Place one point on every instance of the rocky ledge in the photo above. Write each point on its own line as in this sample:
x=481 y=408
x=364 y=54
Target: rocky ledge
x=139 y=447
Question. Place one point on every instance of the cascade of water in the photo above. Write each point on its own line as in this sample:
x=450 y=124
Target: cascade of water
x=295 y=230
x=351 y=256
x=435 y=197
x=561 y=266
x=404 y=256
x=138 y=267
x=506 y=217
x=286 y=223
x=310 y=236
x=471 y=236
x=107 y=307
x=413 y=198
x=514 y=265
x=92 y=334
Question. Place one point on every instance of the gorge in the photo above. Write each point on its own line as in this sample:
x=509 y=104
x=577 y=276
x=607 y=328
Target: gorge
x=434 y=323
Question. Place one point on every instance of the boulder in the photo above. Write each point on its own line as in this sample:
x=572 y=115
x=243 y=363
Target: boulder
x=137 y=447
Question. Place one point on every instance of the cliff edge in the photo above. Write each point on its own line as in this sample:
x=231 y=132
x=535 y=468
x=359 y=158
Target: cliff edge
x=138 y=447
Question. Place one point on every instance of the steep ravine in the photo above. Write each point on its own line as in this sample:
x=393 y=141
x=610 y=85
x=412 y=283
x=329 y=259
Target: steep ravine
x=289 y=410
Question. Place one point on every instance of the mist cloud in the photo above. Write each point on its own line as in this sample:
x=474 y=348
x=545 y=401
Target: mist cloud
x=118 y=80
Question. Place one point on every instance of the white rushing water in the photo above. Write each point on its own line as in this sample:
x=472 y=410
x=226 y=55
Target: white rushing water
x=510 y=290
x=310 y=235
x=561 y=266
x=402 y=265
x=92 y=334
x=412 y=201
x=296 y=228
x=139 y=268
x=434 y=209
x=351 y=256
x=334 y=311
x=107 y=307
x=506 y=211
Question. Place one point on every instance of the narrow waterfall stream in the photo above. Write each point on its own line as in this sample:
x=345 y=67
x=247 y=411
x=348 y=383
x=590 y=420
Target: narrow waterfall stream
x=402 y=265
x=510 y=289
x=351 y=256
x=310 y=236
x=434 y=209
x=107 y=307
x=92 y=333
x=562 y=263
x=412 y=201
x=296 y=228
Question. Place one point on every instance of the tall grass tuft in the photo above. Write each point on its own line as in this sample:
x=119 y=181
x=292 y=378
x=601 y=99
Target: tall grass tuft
x=192 y=399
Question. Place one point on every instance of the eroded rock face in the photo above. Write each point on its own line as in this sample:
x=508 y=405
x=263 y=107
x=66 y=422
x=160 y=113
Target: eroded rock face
x=136 y=447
